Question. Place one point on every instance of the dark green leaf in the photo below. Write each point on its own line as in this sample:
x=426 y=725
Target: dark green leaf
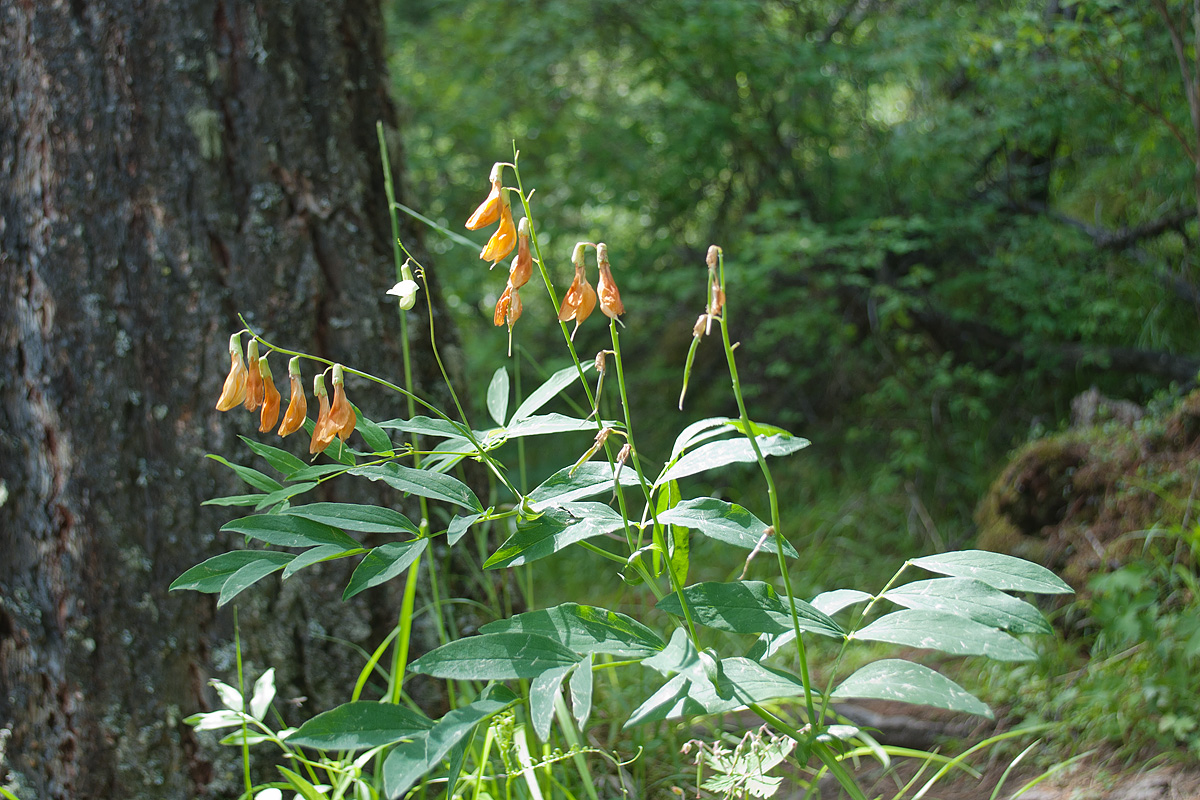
x=359 y=726
x=423 y=483
x=382 y=564
x=458 y=528
x=280 y=460
x=284 y=530
x=407 y=762
x=973 y=599
x=495 y=656
x=725 y=522
x=1006 y=573
x=212 y=574
x=933 y=630
x=279 y=495
x=375 y=436
x=553 y=530
x=354 y=517
x=747 y=607
x=315 y=555
x=251 y=476
x=235 y=500
x=247 y=576
x=316 y=471
x=497 y=395
x=906 y=682
x=585 y=629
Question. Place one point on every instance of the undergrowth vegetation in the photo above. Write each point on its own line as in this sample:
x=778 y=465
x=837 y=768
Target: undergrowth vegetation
x=581 y=699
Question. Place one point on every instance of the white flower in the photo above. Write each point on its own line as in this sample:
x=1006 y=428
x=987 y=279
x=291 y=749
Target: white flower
x=406 y=290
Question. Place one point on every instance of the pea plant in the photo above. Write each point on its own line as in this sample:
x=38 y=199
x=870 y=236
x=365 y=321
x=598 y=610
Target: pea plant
x=711 y=647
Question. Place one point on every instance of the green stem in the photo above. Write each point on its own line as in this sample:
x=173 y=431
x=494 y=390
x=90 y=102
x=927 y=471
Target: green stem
x=237 y=644
x=400 y=660
x=674 y=579
x=773 y=497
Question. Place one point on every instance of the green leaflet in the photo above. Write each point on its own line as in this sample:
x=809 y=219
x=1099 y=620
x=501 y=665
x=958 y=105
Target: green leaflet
x=585 y=629
x=495 y=656
x=906 y=682
x=1006 y=573
x=382 y=564
x=747 y=607
x=359 y=726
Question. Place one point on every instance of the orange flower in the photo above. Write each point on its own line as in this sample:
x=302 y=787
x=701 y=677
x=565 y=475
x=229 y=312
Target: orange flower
x=489 y=210
x=580 y=299
x=234 y=390
x=270 y=406
x=297 y=408
x=610 y=298
x=341 y=415
x=522 y=263
x=254 y=383
x=323 y=432
x=505 y=237
x=508 y=307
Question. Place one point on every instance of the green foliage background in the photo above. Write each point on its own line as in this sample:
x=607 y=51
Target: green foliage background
x=931 y=212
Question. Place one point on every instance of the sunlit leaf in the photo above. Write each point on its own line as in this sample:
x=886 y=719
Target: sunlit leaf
x=906 y=682
x=382 y=564
x=725 y=522
x=495 y=656
x=553 y=530
x=933 y=630
x=497 y=395
x=585 y=629
x=1004 y=572
x=423 y=483
x=358 y=726
x=974 y=599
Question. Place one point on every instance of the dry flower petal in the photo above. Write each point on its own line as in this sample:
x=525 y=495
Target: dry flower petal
x=610 y=297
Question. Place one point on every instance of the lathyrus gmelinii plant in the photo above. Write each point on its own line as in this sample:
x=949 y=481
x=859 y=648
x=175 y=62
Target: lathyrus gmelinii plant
x=510 y=682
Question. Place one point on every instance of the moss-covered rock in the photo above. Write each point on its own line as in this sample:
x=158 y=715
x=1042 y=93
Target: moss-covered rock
x=1093 y=497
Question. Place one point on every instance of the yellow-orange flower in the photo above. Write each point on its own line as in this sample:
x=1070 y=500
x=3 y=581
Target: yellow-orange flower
x=505 y=238
x=610 y=298
x=580 y=299
x=341 y=414
x=271 y=398
x=234 y=390
x=254 y=383
x=489 y=210
x=297 y=410
x=323 y=432
x=522 y=263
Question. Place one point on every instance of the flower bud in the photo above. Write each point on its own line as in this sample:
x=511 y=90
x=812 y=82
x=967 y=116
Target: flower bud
x=234 y=390
x=406 y=289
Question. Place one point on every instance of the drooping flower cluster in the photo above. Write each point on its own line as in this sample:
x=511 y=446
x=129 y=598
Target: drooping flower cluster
x=251 y=384
x=508 y=307
x=495 y=207
x=581 y=298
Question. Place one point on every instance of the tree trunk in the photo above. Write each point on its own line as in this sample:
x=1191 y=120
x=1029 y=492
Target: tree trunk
x=166 y=165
